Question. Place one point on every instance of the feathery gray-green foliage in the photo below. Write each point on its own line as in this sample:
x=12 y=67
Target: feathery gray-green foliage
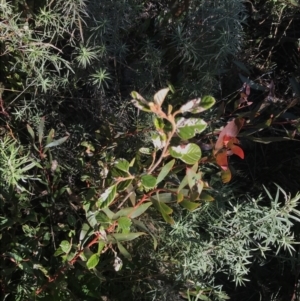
x=227 y=239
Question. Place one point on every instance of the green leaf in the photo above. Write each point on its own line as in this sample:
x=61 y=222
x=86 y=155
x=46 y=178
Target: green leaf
x=139 y=97
x=165 y=171
x=165 y=197
x=30 y=131
x=167 y=218
x=145 y=151
x=107 y=197
x=123 y=165
x=190 y=105
x=41 y=129
x=192 y=177
x=198 y=105
x=85 y=233
x=206 y=197
x=91 y=218
x=124 y=223
x=132 y=195
x=189 y=128
x=132 y=212
x=103 y=219
x=108 y=212
x=101 y=246
x=206 y=103
x=158 y=123
x=65 y=246
x=123 y=251
x=164 y=209
x=189 y=153
x=50 y=136
x=125 y=236
x=180 y=197
x=57 y=142
x=191 y=206
x=183 y=183
x=160 y=96
x=148 y=181
x=171 y=87
x=124 y=184
x=140 y=106
x=139 y=102
x=58 y=252
x=93 y=261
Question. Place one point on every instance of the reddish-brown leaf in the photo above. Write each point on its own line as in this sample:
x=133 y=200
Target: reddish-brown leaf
x=230 y=130
x=222 y=160
x=237 y=151
x=247 y=90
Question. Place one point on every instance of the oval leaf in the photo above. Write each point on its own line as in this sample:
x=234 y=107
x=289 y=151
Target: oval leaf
x=188 y=128
x=148 y=181
x=124 y=223
x=190 y=105
x=93 y=261
x=65 y=246
x=189 y=153
x=206 y=103
x=231 y=130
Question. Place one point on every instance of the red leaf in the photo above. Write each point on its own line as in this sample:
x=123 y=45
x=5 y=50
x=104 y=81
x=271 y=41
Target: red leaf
x=232 y=145
x=222 y=160
x=226 y=139
x=237 y=151
x=230 y=130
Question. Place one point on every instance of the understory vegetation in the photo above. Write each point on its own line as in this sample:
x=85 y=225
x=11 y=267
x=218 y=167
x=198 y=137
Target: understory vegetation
x=149 y=150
